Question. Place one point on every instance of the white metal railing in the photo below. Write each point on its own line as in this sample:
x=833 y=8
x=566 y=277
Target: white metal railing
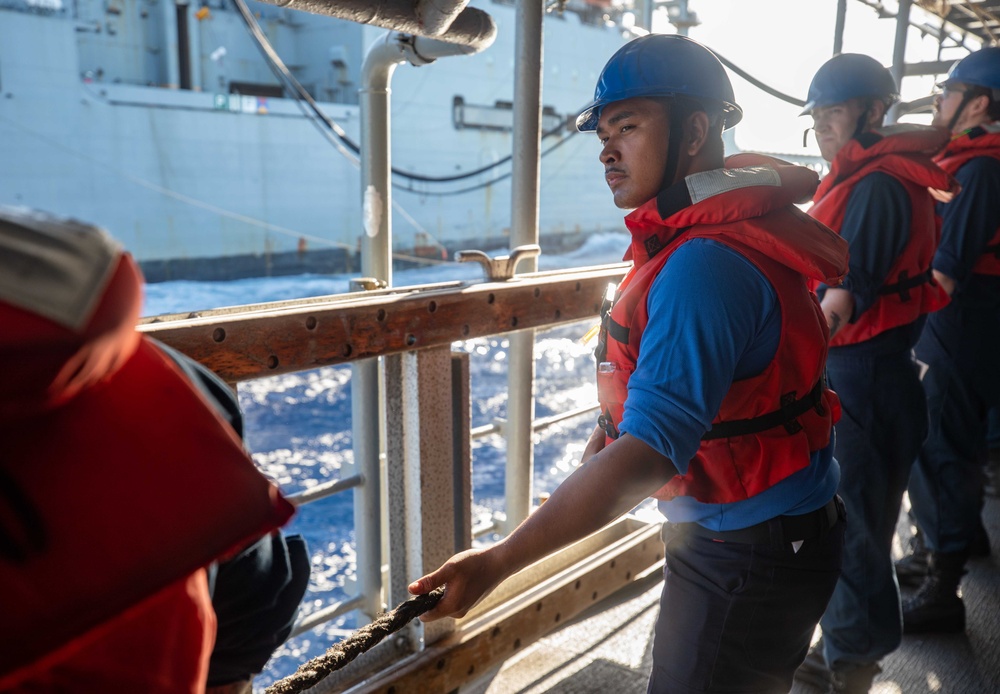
x=479 y=529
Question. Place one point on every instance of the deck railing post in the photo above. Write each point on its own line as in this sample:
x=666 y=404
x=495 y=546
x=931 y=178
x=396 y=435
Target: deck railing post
x=524 y=230
x=420 y=466
x=366 y=433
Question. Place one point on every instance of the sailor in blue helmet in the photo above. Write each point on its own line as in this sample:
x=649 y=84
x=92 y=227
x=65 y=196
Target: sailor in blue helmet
x=710 y=378
x=960 y=343
x=876 y=197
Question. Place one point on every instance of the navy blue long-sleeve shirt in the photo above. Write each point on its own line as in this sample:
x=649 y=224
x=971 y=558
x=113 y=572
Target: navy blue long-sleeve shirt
x=970 y=220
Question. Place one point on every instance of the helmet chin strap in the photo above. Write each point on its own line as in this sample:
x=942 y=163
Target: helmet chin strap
x=862 y=124
x=673 y=146
x=967 y=96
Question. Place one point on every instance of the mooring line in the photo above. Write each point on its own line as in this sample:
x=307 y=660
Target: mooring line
x=365 y=638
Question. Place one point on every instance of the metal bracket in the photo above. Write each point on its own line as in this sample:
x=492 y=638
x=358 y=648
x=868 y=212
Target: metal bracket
x=500 y=268
x=367 y=284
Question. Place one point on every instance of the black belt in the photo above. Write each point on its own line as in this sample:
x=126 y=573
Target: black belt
x=780 y=530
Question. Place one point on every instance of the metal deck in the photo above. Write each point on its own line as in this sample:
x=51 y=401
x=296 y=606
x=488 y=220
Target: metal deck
x=608 y=649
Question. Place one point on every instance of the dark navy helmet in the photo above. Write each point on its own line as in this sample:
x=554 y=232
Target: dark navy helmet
x=850 y=76
x=979 y=69
x=663 y=65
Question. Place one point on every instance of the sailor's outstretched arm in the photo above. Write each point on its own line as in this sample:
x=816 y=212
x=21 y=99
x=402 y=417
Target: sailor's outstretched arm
x=610 y=483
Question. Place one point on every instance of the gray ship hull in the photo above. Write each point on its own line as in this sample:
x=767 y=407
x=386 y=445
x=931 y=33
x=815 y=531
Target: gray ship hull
x=207 y=183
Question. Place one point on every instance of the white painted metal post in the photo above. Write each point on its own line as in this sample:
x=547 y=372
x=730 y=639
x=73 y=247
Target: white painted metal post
x=524 y=230
x=376 y=261
x=420 y=462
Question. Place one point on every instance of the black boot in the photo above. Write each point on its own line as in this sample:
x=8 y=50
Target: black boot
x=936 y=607
x=814 y=671
x=911 y=570
x=854 y=678
x=979 y=544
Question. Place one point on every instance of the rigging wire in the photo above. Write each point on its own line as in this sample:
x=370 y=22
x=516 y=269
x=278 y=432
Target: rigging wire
x=757 y=83
x=300 y=94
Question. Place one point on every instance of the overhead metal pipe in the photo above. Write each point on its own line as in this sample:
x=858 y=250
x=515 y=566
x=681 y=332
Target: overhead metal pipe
x=468 y=26
x=437 y=15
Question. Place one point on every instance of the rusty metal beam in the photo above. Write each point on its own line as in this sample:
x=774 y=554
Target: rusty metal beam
x=267 y=339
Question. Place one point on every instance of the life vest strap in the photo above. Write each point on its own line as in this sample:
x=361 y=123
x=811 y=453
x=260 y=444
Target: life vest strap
x=785 y=416
x=993 y=248
x=617 y=331
x=905 y=284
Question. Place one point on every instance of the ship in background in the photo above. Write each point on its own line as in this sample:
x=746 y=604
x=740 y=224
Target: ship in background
x=162 y=121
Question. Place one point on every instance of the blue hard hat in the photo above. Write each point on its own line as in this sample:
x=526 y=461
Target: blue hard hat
x=849 y=76
x=663 y=65
x=979 y=69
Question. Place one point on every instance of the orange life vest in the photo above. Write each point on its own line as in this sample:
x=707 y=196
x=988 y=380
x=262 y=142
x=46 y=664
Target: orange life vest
x=977 y=142
x=769 y=424
x=118 y=480
x=903 y=152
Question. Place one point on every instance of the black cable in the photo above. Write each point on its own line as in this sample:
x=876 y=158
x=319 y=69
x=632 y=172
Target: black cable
x=284 y=76
x=299 y=93
x=757 y=83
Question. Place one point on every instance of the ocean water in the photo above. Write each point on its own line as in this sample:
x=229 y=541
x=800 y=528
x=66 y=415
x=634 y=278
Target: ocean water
x=298 y=426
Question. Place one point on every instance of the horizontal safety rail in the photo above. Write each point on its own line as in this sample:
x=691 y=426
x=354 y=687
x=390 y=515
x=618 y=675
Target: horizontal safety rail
x=322 y=491
x=250 y=342
x=540 y=424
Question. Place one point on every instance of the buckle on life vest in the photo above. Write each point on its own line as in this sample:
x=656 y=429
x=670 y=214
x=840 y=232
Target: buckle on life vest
x=905 y=284
x=604 y=421
x=792 y=426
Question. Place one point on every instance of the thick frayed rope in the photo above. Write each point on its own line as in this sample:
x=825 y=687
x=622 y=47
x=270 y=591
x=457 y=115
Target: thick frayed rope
x=365 y=638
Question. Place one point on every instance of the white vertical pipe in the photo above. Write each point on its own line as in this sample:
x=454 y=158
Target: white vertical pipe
x=376 y=164
x=376 y=261
x=524 y=230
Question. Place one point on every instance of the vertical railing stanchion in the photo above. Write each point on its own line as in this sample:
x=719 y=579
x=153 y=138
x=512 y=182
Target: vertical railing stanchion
x=366 y=432
x=461 y=437
x=524 y=230
x=420 y=474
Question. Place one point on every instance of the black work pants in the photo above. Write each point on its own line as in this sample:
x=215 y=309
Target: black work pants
x=739 y=617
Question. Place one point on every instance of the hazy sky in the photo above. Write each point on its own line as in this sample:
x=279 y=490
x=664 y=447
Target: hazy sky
x=784 y=42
